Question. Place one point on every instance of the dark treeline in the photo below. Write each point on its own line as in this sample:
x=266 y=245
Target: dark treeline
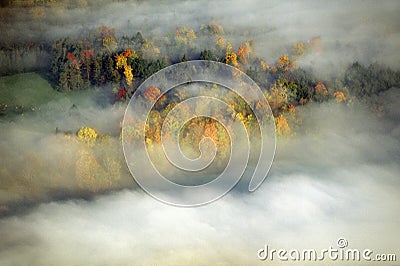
x=79 y=64
x=21 y=58
x=52 y=3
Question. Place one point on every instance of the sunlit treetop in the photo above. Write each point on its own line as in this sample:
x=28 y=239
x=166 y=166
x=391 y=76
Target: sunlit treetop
x=339 y=96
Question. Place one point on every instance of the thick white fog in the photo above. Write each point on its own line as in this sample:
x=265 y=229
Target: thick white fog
x=341 y=179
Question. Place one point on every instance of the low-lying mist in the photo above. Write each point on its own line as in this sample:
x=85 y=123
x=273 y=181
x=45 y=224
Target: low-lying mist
x=43 y=159
x=357 y=31
x=337 y=177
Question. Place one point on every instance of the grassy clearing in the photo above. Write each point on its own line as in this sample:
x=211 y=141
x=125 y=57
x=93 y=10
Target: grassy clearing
x=28 y=89
x=31 y=92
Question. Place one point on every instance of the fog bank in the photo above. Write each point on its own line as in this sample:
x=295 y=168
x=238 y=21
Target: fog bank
x=338 y=179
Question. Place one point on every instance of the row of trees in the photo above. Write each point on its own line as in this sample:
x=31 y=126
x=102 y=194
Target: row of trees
x=367 y=81
x=79 y=64
x=99 y=57
x=49 y=3
x=21 y=58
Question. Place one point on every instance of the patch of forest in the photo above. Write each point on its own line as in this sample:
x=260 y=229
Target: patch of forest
x=99 y=58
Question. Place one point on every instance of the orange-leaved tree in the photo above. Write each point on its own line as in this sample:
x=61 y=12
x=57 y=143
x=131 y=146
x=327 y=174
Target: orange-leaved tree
x=284 y=63
x=339 y=96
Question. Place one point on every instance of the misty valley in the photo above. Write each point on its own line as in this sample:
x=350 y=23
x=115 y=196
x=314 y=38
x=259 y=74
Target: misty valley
x=69 y=70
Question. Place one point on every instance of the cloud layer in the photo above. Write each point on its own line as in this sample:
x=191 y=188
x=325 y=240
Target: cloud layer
x=340 y=179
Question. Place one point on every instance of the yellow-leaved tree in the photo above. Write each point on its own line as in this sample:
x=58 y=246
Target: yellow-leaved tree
x=121 y=61
x=230 y=56
x=282 y=126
